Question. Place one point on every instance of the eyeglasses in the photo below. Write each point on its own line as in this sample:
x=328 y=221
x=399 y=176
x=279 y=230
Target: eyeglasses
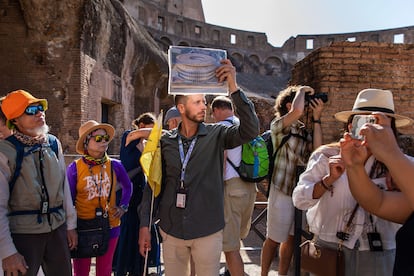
x=100 y=138
x=33 y=109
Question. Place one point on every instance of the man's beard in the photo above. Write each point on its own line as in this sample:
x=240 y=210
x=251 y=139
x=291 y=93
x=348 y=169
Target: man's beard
x=39 y=131
x=194 y=117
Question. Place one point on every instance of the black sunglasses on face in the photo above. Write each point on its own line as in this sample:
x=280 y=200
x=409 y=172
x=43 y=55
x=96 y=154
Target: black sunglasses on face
x=100 y=138
x=33 y=109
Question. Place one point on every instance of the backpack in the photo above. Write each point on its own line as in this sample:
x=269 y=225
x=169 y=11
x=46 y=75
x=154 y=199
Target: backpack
x=20 y=154
x=254 y=165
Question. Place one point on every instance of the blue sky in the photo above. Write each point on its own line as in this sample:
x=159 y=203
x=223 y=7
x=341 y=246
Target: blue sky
x=281 y=19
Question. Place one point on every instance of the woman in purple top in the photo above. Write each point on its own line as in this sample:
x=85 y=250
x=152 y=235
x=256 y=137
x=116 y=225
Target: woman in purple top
x=93 y=179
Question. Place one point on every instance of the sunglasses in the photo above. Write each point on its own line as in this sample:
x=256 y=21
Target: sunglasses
x=100 y=138
x=33 y=109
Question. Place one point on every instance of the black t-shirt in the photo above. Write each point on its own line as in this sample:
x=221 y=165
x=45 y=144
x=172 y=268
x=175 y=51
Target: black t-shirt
x=404 y=261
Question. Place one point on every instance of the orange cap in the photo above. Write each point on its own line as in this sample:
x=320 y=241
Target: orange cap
x=16 y=102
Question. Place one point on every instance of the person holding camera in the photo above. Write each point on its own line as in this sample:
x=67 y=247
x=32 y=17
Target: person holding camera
x=333 y=214
x=380 y=140
x=293 y=144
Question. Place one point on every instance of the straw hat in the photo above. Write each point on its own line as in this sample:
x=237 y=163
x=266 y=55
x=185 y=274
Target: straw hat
x=374 y=100
x=89 y=127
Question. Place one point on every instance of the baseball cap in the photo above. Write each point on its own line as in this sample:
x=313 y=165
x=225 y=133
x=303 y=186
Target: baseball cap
x=171 y=113
x=16 y=102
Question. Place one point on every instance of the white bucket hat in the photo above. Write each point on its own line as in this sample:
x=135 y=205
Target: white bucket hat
x=374 y=100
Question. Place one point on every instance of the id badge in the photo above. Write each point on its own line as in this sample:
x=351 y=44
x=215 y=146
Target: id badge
x=375 y=242
x=181 y=198
x=44 y=207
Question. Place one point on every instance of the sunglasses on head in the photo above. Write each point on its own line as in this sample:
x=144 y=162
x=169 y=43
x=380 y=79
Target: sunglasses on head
x=100 y=138
x=33 y=109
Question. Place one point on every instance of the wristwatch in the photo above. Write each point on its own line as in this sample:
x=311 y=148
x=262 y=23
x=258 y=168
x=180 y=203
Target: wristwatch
x=124 y=208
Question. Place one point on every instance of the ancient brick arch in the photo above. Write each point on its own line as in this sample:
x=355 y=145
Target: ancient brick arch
x=273 y=66
x=237 y=60
x=254 y=59
x=183 y=43
x=165 y=43
x=254 y=64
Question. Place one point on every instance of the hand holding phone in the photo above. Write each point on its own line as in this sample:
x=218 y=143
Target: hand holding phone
x=357 y=122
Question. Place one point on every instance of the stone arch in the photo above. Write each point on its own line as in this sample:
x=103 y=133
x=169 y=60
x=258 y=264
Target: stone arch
x=165 y=43
x=183 y=43
x=237 y=60
x=273 y=66
x=253 y=62
x=254 y=59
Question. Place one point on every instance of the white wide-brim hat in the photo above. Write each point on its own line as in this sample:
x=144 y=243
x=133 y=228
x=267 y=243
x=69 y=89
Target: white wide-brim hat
x=374 y=100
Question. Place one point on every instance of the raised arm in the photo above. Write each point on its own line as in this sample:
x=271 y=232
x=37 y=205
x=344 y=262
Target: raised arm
x=317 y=106
x=137 y=134
x=249 y=123
x=381 y=141
x=390 y=205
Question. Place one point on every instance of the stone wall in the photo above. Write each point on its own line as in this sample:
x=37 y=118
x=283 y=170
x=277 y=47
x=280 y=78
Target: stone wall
x=344 y=68
x=95 y=60
x=39 y=49
x=89 y=59
x=250 y=52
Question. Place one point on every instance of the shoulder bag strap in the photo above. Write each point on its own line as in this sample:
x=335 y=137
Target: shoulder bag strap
x=112 y=183
x=343 y=236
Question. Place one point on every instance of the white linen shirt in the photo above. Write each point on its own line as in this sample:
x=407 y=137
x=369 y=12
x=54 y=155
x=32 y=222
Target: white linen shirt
x=329 y=214
x=233 y=154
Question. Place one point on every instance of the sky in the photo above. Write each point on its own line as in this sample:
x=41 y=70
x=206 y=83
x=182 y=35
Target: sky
x=281 y=19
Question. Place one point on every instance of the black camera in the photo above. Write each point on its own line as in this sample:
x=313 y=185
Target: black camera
x=322 y=96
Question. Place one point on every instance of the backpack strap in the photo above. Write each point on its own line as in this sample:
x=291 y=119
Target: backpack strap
x=53 y=142
x=273 y=157
x=231 y=163
x=19 y=159
x=284 y=140
x=234 y=166
x=20 y=154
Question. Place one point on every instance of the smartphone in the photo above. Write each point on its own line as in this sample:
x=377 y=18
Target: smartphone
x=357 y=122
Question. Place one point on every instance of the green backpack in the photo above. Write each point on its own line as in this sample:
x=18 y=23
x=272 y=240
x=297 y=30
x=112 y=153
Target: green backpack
x=254 y=165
